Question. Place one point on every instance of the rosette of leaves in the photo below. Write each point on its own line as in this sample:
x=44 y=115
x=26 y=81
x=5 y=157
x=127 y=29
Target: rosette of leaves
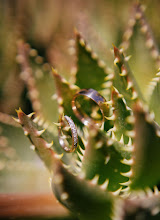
x=114 y=172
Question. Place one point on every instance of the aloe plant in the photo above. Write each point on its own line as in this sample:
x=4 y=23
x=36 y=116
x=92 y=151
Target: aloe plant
x=114 y=171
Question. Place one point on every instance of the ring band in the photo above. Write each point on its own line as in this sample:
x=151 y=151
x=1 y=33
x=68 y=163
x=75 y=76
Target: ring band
x=97 y=98
x=74 y=134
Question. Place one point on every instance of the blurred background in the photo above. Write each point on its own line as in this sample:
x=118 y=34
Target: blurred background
x=48 y=29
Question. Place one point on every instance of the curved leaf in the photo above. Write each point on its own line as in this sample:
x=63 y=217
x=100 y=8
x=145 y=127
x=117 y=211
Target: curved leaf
x=83 y=199
x=124 y=80
x=103 y=158
x=145 y=168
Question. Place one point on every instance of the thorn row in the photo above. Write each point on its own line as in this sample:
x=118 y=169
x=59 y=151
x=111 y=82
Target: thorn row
x=27 y=76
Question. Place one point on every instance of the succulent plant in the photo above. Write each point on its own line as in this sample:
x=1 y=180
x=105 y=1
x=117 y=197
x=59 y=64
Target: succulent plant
x=112 y=171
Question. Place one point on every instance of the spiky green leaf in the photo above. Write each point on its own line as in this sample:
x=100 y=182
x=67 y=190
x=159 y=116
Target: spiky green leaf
x=154 y=96
x=91 y=71
x=82 y=198
x=145 y=169
x=103 y=158
x=124 y=80
x=120 y=113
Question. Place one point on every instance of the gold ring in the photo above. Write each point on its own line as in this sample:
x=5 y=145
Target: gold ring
x=97 y=98
x=62 y=137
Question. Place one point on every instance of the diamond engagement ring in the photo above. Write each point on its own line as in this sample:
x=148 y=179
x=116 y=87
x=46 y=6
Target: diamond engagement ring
x=62 y=138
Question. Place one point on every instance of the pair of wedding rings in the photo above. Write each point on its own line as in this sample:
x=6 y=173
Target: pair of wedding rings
x=86 y=119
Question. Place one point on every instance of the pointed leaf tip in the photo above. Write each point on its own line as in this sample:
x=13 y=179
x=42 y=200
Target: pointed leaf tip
x=20 y=113
x=54 y=71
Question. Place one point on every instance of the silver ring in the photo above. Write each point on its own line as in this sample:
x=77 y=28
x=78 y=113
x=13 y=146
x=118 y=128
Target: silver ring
x=63 y=140
x=97 y=98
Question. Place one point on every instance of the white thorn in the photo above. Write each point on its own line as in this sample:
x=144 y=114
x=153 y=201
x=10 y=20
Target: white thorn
x=66 y=166
x=54 y=97
x=158 y=74
x=156 y=191
x=107 y=159
x=153 y=83
x=128 y=108
x=130 y=119
x=128 y=33
x=149 y=192
x=16 y=119
x=123 y=73
x=80 y=156
x=73 y=87
x=60 y=100
x=94 y=181
x=113 y=136
x=109 y=77
x=112 y=118
x=26 y=133
x=129 y=85
x=88 y=48
x=82 y=151
x=149 y=43
x=107 y=84
x=79 y=163
x=126 y=183
x=130 y=134
x=129 y=142
x=105 y=184
x=125 y=189
x=59 y=156
x=155 y=53
x=66 y=128
x=109 y=102
x=144 y=28
x=116 y=60
x=156 y=79
x=84 y=141
x=38 y=133
x=60 y=110
x=101 y=63
x=64 y=196
x=121 y=140
x=35 y=120
x=82 y=42
x=155 y=211
x=121 y=50
x=41 y=121
x=127 y=162
x=78 y=169
x=110 y=142
x=32 y=147
x=117 y=192
x=57 y=124
x=99 y=144
x=94 y=55
x=127 y=174
x=134 y=95
x=128 y=148
x=150 y=117
x=49 y=145
x=114 y=129
x=121 y=97
x=31 y=114
x=127 y=58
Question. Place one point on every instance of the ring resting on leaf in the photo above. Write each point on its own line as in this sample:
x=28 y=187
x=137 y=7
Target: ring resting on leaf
x=94 y=96
x=73 y=128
